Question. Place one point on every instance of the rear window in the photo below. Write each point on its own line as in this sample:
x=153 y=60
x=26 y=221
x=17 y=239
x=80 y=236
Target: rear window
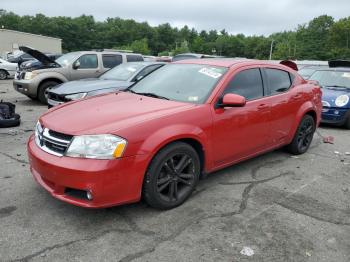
x=279 y=81
x=134 y=58
x=110 y=61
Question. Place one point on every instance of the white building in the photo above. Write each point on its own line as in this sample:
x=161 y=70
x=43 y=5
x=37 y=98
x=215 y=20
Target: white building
x=10 y=40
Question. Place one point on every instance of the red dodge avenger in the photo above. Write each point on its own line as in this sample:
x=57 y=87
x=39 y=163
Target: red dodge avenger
x=157 y=138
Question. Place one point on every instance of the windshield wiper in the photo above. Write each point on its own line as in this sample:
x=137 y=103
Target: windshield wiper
x=336 y=86
x=150 y=95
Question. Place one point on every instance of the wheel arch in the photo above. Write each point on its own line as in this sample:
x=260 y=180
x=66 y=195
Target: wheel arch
x=306 y=109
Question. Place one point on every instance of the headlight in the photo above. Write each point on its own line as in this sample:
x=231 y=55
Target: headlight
x=30 y=75
x=342 y=100
x=97 y=146
x=38 y=132
x=75 y=96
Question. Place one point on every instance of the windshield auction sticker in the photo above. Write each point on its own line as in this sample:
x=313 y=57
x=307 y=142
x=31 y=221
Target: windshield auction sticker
x=210 y=72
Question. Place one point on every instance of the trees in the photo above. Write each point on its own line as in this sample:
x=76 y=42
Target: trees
x=320 y=39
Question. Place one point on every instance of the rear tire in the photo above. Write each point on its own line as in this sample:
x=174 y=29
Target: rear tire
x=303 y=136
x=3 y=74
x=172 y=176
x=42 y=90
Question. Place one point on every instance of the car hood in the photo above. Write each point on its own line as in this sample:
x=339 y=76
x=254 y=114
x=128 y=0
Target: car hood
x=88 y=85
x=106 y=114
x=331 y=94
x=39 y=56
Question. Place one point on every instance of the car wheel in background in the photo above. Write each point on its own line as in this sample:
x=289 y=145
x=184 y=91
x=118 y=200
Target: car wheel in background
x=172 y=176
x=3 y=74
x=347 y=122
x=303 y=136
x=42 y=90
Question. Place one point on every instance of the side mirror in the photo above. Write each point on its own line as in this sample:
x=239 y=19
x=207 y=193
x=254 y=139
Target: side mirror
x=233 y=100
x=76 y=65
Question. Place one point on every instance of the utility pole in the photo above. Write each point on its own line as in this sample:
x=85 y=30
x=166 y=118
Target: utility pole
x=271 y=48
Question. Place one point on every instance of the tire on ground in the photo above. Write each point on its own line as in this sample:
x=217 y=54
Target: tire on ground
x=294 y=147
x=42 y=89
x=3 y=74
x=149 y=190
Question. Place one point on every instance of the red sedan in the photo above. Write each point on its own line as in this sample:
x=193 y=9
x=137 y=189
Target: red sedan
x=155 y=139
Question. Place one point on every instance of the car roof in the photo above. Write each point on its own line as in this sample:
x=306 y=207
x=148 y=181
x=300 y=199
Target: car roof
x=341 y=69
x=225 y=62
x=146 y=63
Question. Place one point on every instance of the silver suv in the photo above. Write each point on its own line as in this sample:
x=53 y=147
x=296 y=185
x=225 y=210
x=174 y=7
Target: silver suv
x=71 y=66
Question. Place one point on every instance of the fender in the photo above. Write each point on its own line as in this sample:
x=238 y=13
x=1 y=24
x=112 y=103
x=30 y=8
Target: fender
x=50 y=75
x=168 y=134
x=308 y=106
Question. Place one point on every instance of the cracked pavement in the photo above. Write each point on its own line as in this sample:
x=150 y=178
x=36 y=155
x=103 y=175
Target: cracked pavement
x=284 y=208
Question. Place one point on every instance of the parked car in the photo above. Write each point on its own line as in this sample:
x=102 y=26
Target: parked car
x=158 y=137
x=307 y=71
x=20 y=58
x=71 y=66
x=118 y=78
x=192 y=56
x=7 y=69
x=36 y=64
x=335 y=83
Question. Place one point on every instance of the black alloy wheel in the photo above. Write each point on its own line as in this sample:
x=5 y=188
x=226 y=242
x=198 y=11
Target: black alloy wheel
x=303 y=137
x=172 y=176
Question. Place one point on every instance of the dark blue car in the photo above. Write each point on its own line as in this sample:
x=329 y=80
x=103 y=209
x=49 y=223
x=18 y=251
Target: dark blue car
x=335 y=83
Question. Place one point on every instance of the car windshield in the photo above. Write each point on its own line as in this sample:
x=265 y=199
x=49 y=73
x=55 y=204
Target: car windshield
x=190 y=83
x=67 y=59
x=122 y=72
x=332 y=78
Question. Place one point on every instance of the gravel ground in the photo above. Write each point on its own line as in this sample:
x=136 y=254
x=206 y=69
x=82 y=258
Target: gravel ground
x=275 y=207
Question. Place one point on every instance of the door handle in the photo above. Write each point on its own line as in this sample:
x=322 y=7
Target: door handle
x=263 y=106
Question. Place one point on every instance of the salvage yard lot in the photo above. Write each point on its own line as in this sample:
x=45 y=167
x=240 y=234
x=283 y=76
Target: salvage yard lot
x=284 y=208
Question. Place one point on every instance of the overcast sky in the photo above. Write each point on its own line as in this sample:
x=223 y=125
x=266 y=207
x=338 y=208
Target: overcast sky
x=250 y=17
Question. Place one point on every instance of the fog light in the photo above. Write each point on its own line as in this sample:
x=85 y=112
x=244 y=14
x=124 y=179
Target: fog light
x=26 y=89
x=89 y=195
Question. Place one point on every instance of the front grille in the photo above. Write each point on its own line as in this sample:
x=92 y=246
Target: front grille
x=52 y=142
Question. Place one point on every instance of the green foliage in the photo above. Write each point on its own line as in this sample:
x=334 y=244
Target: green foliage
x=320 y=39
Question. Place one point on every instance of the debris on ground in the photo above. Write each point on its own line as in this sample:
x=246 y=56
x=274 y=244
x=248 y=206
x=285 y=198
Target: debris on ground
x=247 y=251
x=326 y=139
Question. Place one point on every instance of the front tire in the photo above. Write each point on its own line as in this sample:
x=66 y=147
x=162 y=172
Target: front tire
x=3 y=74
x=42 y=90
x=172 y=176
x=303 y=136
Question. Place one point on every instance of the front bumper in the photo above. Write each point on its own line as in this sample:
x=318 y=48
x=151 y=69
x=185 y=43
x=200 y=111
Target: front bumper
x=336 y=116
x=26 y=87
x=111 y=182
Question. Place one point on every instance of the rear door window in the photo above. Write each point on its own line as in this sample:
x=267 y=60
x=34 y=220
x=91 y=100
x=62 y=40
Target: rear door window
x=247 y=83
x=110 y=61
x=279 y=81
x=134 y=58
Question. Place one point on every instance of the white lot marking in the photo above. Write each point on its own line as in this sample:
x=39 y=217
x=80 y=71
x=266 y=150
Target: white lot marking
x=247 y=251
